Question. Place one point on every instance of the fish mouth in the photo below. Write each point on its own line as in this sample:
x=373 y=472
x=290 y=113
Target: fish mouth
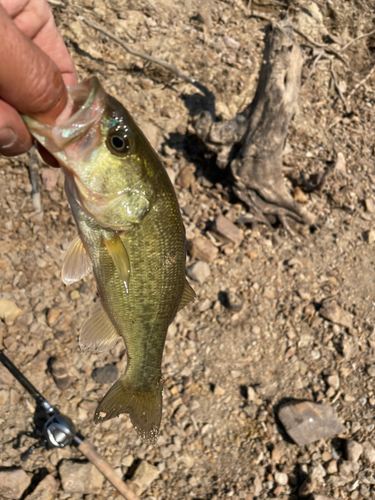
x=81 y=130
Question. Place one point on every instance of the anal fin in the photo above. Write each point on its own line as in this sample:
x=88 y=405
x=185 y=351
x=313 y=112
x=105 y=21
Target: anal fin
x=76 y=264
x=120 y=257
x=98 y=333
x=187 y=296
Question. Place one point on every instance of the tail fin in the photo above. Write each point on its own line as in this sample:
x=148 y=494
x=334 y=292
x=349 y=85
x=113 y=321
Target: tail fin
x=144 y=408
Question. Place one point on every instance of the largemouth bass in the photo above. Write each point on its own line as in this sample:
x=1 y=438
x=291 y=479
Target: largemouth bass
x=130 y=233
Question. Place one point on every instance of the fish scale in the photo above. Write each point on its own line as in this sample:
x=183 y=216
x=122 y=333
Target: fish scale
x=133 y=238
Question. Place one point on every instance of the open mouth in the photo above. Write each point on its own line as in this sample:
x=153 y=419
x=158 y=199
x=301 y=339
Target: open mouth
x=87 y=100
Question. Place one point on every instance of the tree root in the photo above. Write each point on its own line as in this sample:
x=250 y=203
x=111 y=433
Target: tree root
x=252 y=142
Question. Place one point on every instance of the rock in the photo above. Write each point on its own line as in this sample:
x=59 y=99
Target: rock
x=77 y=477
x=307 y=487
x=204 y=305
x=299 y=195
x=369 y=204
x=276 y=453
x=13 y=482
x=370 y=236
x=331 y=467
x=75 y=295
x=49 y=178
x=347 y=468
x=52 y=315
x=9 y=312
x=106 y=375
x=370 y=371
x=46 y=489
x=89 y=406
x=281 y=478
x=202 y=249
x=306 y=422
x=127 y=461
x=368 y=453
x=199 y=271
x=186 y=177
x=4 y=397
x=333 y=381
x=6 y=378
x=145 y=475
x=340 y=165
x=231 y=43
x=227 y=229
x=258 y=485
x=353 y=450
x=39 y=361
x=60 y=373
x=331 y=311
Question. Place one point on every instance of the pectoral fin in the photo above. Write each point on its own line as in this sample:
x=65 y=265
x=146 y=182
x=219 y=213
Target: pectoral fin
x=187 y=296
x=76 y=264
x=98 y=333
x=120 y=257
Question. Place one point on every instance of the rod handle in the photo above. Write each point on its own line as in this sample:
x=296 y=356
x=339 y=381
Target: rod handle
x=102 y=465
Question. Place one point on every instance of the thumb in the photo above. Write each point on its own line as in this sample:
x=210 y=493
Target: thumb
x=30 y=83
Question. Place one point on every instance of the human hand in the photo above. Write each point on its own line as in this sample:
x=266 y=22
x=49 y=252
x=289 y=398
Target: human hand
x=35 y=67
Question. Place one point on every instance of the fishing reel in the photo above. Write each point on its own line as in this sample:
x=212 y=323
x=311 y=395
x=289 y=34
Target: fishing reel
x=58 y=431
x=51 y=429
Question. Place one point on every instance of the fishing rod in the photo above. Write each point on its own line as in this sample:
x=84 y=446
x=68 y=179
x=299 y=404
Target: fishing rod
x=57 y=430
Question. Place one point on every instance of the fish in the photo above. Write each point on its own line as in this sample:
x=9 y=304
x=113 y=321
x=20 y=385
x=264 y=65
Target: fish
x=130 y=234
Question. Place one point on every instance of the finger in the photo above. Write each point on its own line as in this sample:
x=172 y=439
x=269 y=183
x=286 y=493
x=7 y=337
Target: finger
x=14 y=136
x=29 y=80
x=35 y=19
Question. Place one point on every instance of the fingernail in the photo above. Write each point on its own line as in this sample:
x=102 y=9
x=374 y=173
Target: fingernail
x=7 y=138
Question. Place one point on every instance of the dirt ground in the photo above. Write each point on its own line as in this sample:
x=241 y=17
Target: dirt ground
x=225 y=368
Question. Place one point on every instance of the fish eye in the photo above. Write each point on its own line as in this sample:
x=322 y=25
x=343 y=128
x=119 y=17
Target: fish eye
x=118 y=142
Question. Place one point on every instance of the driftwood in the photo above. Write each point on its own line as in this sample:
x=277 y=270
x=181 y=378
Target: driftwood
x=251 y=144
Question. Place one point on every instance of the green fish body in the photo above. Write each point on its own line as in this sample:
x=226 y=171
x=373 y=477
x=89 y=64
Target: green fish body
x=131 y=235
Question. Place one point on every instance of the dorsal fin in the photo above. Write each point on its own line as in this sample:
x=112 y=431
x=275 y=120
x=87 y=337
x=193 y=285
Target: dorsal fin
x=120 y=257
x=76 y=264
x=98 y=333
x=187 y=295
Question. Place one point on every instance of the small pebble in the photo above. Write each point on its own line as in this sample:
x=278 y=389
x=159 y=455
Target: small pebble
x=333 y=381
x=353 y=450
x=369 y=203
x=227 y=229
x=202 y=249
x=331 y=467
x=145 y=474
x=9 y=312
x=199 y=271
x=231 y=43
x=281 y=478
x=186 y=177
x=340 y=165
x=331 y=311
x=368 y=453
